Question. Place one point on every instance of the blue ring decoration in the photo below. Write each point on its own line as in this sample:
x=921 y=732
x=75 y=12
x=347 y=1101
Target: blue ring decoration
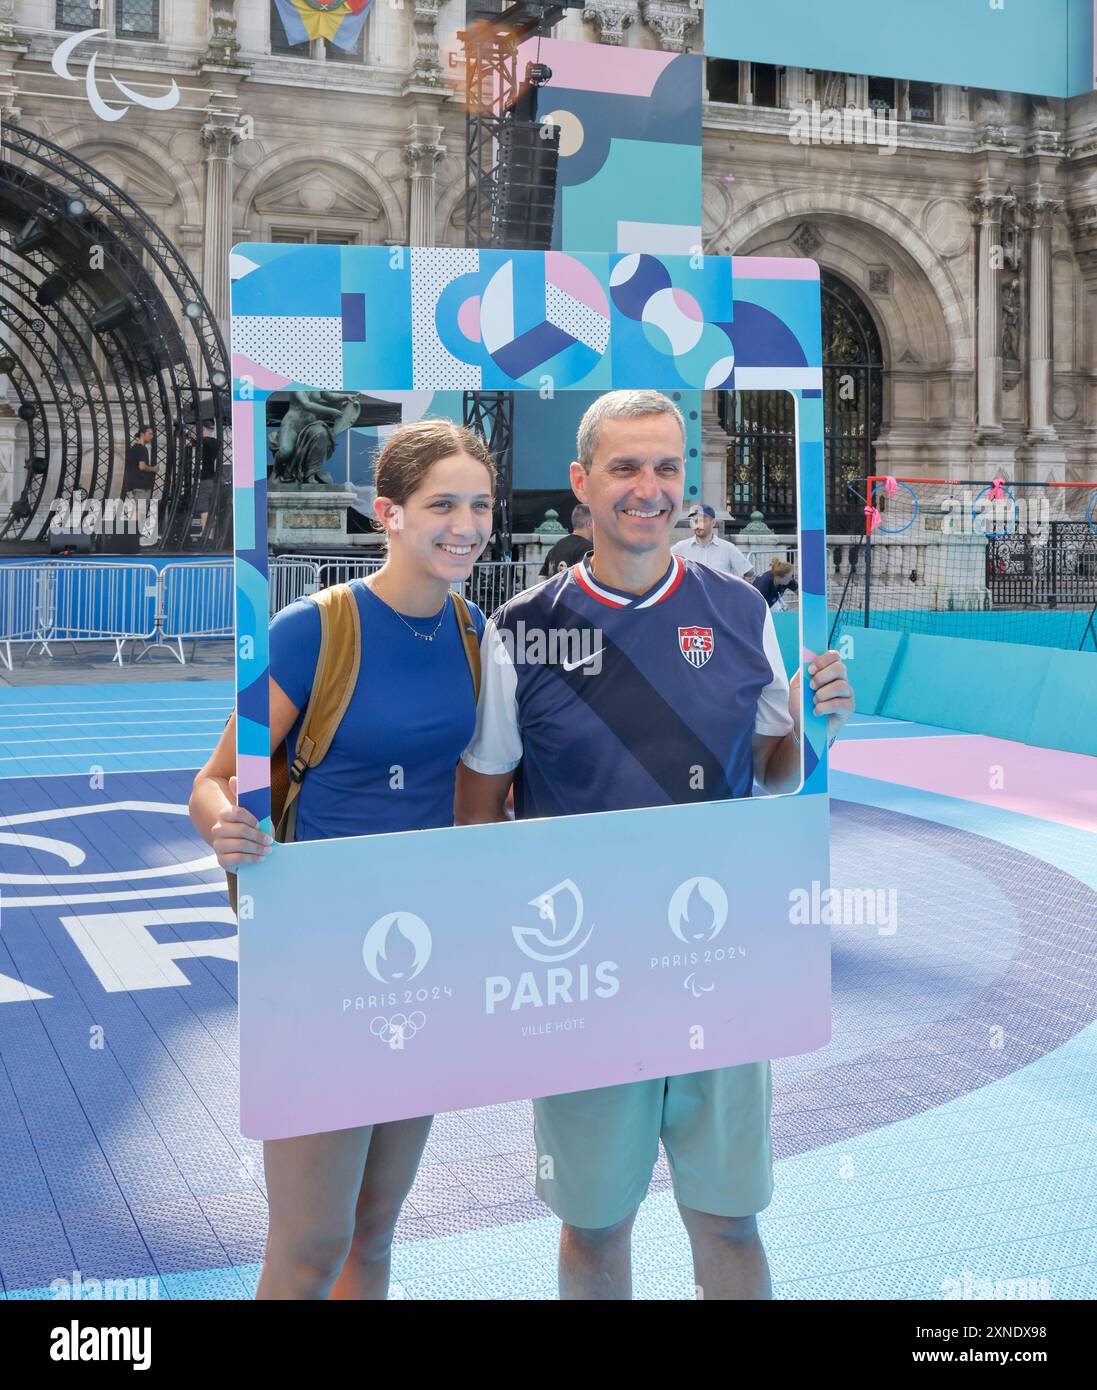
x=995 y=535
x=898 y=530
x=1090 y=516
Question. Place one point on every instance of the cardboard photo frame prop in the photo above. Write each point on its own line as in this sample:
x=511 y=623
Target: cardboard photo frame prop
x=389 y=976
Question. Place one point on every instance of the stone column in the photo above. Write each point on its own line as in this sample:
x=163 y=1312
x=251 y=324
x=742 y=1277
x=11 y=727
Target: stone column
x=423 y=153
x=989 y=379
x=714 y=460
x=954 y=105
x=794 y=88
x=220 y=139
x=1041 y=212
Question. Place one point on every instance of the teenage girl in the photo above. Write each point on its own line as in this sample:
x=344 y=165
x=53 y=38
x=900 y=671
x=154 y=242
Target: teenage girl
x=335 y=1197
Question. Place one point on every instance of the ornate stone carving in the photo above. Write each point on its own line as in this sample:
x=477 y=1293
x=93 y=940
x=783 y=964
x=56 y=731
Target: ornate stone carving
x=222 y=47
x=7 y=21
x=1083 y=222
x=1045 y=132
x=1011 y=231
x=1041 y=211
x=807 y=239
x=670 y=21
x=425 y=67
x=879 y=279
x=318 y=189
x=220 y=138
x=423 y=158
x=1011 y=319
x=988 y=207
x=612 y=17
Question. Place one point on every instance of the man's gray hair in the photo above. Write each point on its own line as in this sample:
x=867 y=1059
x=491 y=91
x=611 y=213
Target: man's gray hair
x=621 y=405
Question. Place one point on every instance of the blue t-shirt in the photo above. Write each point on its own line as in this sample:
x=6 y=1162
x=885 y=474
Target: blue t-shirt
x=393 y=761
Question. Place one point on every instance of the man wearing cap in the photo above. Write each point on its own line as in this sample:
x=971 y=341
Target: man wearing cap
x=707 y=548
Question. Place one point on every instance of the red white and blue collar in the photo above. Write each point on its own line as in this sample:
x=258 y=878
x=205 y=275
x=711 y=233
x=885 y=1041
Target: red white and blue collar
x=582 y=575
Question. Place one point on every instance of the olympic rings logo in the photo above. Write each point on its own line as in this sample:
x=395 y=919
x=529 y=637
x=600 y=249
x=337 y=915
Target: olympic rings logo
x=398 y=1029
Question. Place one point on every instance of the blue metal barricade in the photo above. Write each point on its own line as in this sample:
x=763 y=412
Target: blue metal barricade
x=100 y=600
x=194 y=601
x=26 y=605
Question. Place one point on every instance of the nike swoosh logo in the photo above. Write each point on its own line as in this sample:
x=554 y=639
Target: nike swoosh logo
x=574 y=665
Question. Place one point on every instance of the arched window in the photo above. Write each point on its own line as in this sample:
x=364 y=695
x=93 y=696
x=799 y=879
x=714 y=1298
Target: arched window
x=761 y=424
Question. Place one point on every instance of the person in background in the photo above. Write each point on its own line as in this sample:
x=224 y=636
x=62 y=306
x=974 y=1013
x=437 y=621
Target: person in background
x=569 y=550
x=139 y=479
x=779 y=581
x=707 y=548
x=209 y=460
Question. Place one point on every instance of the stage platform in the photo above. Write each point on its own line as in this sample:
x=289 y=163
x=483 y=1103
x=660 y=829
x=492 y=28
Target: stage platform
x=943 y=1144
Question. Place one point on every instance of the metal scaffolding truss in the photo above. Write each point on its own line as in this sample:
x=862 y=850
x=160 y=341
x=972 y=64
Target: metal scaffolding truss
x=492 y=37
x=96 y=384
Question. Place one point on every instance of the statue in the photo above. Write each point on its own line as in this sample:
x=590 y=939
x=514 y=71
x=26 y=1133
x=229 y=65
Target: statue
x=1011 y=232
x=305 y=439
x=1011 y=319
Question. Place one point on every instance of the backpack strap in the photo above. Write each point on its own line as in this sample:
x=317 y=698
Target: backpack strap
x=469 y=640
x=337 y=667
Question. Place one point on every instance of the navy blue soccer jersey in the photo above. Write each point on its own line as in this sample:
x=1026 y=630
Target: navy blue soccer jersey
x=608 y=701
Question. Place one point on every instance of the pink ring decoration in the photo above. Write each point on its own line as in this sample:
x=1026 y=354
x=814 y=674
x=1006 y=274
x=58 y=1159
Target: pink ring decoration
x=873 y=514
x=890 y=485
x=996 y=494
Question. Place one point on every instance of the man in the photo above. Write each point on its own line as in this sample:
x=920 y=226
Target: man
x=207 y=474
x=568 y=550
x=710 y=549
x=633 y=734
x=138 y=480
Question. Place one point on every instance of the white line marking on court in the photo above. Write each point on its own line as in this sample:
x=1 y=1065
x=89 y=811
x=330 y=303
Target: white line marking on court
x=119 y=772
x=101 y=706
x=872 y=723
x=117 y=753
x=133 y=895
x=110 y=723
x=79 y=738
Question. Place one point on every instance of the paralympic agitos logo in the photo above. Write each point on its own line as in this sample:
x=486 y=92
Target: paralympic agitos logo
x=550 y=945
x=60 y=64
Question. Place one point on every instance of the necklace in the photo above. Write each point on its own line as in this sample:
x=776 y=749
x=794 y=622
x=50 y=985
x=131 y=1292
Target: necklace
x=423 y=636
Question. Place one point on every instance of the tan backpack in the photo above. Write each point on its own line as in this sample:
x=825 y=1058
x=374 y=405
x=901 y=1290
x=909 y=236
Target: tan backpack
x=337 y=667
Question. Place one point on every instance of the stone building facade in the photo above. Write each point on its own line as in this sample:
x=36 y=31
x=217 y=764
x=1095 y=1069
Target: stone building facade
x=971 y=246
x=968 y=255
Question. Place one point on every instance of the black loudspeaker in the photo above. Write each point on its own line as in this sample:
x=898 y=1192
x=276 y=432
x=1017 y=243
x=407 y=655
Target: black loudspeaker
x=529 y=152
x=126 y=542
x=70 y=543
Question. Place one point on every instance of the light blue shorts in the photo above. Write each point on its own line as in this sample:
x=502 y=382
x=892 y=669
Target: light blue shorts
x=596 y=1149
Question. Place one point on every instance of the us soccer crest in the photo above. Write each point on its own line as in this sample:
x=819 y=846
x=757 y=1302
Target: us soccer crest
x=695 y=644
